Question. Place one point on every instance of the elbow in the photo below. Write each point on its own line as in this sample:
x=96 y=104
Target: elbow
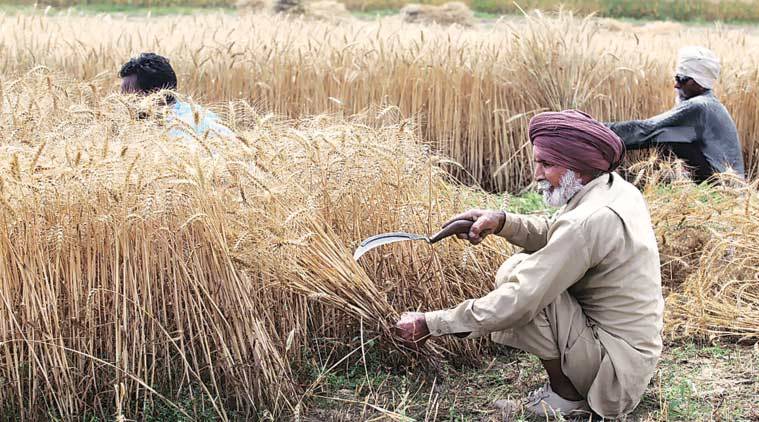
x=532 y=247
x=528 y=245
x=536 y=243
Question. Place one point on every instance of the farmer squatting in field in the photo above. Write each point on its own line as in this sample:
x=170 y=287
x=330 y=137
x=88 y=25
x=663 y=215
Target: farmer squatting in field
x=699 y=130
x=149 y=73
x=585 y=295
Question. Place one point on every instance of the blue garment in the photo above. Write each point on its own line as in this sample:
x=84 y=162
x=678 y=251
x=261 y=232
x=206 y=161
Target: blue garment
x=207 y=121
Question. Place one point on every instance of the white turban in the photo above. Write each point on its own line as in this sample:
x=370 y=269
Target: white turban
x=699 y=63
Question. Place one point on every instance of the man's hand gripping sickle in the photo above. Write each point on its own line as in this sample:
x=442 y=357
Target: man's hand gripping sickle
x=485 y=222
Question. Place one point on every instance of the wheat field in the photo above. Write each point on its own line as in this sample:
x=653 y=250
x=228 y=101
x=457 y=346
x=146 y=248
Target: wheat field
x=134 y=263
x=208 y=276
x=472 y=91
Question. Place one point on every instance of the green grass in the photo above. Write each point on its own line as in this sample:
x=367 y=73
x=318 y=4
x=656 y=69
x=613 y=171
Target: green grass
x=374 y=13
x=94 y=9
x=195 y=404
x=692 y=10
x=156 y=11
x=697 y=11
x=527 y=203
x=693 y=382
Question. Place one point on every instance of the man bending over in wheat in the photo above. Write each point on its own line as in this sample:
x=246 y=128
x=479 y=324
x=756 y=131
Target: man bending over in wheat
x=585 y=294
x=150 y=73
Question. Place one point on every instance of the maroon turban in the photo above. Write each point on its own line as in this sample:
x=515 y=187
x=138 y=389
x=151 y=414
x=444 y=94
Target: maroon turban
x=574 y=140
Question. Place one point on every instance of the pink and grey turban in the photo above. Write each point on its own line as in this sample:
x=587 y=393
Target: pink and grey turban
x=574 y=140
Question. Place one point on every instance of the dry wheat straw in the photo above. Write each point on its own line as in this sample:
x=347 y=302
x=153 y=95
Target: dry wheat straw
x=471 y=90
x=206 y=269
x=185 y=271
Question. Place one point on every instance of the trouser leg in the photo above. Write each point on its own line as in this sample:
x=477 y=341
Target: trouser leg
x=560 y=332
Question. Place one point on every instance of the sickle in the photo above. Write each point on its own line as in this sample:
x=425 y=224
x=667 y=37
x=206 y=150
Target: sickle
x=455 y=227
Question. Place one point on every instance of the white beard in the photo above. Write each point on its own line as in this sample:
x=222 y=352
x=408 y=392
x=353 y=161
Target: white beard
x=557 y=197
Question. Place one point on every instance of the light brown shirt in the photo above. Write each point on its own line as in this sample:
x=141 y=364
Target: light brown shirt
x=602 y=249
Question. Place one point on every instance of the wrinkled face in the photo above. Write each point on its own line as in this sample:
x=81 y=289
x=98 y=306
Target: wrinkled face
x=546 y=171
x=557 y=184
x=129 y=85
x=687 y=88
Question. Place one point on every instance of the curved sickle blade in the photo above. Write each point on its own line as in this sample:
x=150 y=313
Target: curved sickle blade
x=383 y=239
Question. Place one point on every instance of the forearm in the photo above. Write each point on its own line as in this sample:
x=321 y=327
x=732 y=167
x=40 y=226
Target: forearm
x=636 y=134
x=674 y=126
x=498 y=310
x=526 y=231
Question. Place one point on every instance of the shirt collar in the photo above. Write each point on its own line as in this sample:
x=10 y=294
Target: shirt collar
x=597 y=183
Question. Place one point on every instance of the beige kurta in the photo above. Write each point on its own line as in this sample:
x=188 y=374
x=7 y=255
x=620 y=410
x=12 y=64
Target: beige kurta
x=601 y=249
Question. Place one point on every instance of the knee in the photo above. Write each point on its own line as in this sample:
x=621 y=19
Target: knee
x=508 y=267
x=536 y=337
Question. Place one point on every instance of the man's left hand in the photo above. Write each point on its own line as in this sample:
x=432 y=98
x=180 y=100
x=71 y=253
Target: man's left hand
x=412 y=327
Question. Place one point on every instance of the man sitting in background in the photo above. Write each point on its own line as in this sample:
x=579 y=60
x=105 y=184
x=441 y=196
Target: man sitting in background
x=149 y=73
x=699 y=130
x=586 y=296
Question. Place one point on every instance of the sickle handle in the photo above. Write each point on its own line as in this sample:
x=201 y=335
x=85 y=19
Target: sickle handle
x=457 y=227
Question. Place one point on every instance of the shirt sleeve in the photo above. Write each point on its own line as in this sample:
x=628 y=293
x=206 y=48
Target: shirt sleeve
x=526 y=231
x=678 y=125
x=533 y=284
